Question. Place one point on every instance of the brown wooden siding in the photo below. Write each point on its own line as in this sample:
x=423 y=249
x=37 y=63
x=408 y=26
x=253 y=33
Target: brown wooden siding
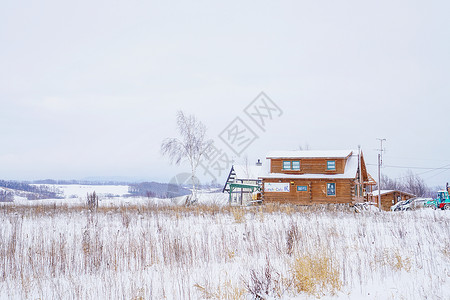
x=389 y=199
x=316 y=194
x=308 y=166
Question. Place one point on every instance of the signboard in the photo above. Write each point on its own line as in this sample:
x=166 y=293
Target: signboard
x=302 y=188
x=277 y=187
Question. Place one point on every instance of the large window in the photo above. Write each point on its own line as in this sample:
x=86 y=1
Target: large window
x=286 y=165
x=331 y=189
x=296 y=165
x=331 y=165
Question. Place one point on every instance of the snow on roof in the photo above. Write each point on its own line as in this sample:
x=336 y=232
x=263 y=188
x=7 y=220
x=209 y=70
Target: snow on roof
x=248 y=172
x=311 y=154
x=351 y=168
x=384 y=192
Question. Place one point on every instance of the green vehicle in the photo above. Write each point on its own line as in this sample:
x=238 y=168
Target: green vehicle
x=442 y=200
x=431 y=203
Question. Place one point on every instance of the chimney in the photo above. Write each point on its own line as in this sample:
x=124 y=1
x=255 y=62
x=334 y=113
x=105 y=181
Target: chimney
x=259 y=163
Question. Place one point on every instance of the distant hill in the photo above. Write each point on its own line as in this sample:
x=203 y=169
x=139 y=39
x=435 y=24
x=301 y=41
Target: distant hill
x=48 y=188
x=82 y=182
x=31 y=192
x=144 y=189
x=6 y=195
x=159 y=190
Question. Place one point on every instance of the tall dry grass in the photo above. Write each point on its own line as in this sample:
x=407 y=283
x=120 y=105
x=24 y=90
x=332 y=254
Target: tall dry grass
x=156 y=252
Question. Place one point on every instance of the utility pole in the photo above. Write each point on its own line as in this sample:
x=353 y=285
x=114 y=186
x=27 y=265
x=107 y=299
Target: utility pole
x=380 y=162
x=359 y=191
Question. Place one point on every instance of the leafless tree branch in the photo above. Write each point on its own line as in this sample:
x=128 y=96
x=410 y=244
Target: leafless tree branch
x=192 y=145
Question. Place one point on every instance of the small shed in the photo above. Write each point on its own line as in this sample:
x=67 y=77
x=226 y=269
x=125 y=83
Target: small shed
x=242 y=181
x=389 y=197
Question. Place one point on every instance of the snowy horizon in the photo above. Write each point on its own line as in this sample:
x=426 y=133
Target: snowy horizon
x=88 y=89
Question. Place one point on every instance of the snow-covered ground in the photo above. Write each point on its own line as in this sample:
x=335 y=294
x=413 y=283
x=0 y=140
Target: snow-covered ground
x=115 y=195
x=104 y=191
x=153 y=249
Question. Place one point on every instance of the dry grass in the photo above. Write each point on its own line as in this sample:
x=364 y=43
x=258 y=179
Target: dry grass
x=394 y=259
x=445 y=250
x=316 y=274
x=226 y=291
x=238 y=214
x=155 y=251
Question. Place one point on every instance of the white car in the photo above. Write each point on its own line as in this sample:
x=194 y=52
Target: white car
x=410 y=204
x=398 y=206
x=416 y=203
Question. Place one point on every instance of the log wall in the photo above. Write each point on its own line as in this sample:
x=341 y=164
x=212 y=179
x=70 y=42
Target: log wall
x=308 y=166
x=316 y=193
x=389 y=199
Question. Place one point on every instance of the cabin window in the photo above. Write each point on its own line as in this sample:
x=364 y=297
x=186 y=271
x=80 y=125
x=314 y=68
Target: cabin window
x=331 y=189
x=331 y=165
x=286 y=165
x=296 y=165
x=302 y=188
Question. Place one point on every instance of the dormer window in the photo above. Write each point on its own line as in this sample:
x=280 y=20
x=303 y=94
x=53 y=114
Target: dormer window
x=331 y=165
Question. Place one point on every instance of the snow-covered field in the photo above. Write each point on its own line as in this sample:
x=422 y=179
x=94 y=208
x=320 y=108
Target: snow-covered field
x=113 y=196
x=152 y=249
x=80 y=191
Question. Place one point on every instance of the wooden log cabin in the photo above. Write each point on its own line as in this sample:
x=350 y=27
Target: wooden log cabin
x=316 y=177
x=389 y=198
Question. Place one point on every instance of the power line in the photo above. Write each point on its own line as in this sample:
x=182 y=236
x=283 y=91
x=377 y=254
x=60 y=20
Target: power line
x=446 y=167
x=442 y=169
x=419 y=159
x=434 y=175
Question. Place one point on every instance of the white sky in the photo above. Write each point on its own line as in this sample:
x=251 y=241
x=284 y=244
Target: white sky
x=91 y=88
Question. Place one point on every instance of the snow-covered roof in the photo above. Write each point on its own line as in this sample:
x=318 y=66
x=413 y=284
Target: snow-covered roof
x=351 y=168
x=311 y=154
x=384 y=192
x=248 y=172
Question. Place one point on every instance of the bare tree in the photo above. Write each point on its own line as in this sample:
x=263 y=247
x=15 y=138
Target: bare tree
x=304 y=147
x=390 y=184
x=410 y=183
x=191 y=145
x=415 y=185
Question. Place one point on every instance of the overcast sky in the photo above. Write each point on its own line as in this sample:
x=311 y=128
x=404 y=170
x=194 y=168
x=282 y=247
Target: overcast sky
x=91 y=88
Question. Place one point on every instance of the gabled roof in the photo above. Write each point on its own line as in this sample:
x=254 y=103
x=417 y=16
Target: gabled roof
x=385 y=192
x=311 y=154
x=382 y=192
x=370 y=179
